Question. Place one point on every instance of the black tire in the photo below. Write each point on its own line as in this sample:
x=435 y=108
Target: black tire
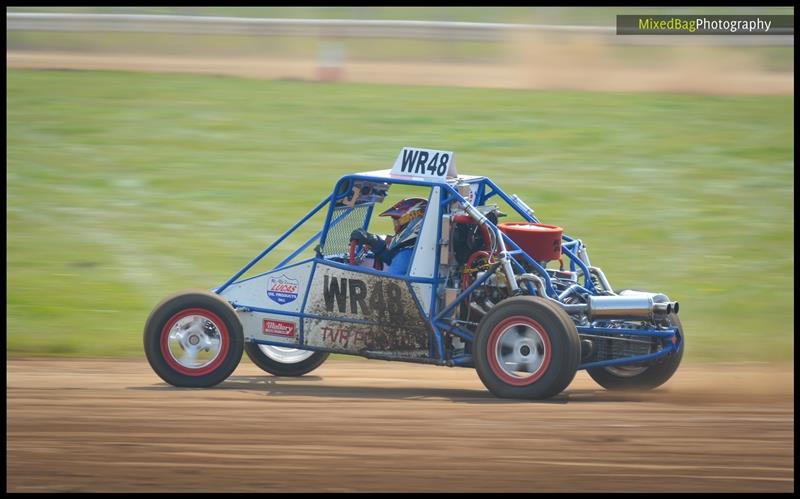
x=211 y=321
x=553 y=348
x=641 y=377
x=278 y=368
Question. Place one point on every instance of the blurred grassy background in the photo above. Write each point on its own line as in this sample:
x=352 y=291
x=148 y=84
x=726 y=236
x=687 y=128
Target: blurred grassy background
x=650 y=58
x=125 y=187
x=767 y=58
x=498 y=14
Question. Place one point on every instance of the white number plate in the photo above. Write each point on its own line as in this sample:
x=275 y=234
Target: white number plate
x=428 y=163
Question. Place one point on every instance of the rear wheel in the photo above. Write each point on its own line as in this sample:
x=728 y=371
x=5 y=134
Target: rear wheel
x=284 y=361
x=641 y=377
x=526 y=347
x=193 y=339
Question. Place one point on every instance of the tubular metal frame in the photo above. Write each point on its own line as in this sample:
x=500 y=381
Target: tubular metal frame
x=438 y=321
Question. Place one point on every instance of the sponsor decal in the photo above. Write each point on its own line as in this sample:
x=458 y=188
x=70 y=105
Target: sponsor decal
x=365 y=337
x=279 y=328
x=341 y=335
x=473 y=189
x=282 y=289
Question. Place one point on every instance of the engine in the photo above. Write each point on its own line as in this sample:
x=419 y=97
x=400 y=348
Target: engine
x=470 y=252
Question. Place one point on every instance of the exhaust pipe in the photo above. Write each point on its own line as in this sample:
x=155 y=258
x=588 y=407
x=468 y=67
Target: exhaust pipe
x=638 y=306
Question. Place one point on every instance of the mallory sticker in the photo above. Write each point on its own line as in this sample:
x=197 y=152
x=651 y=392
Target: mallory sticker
x=279 y=328
x=282 y=289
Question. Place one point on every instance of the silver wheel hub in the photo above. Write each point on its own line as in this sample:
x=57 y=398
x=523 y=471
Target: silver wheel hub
x=626 y=371
x=194 y=341
x=520 y=349
x=285 y=355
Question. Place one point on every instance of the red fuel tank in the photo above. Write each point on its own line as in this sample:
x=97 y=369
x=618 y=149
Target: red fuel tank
x=541 y=241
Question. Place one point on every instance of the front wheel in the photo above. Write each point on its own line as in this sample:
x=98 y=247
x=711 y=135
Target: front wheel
x=283 y=361
x=193 y=339
x=642 y=377
x=526 y=347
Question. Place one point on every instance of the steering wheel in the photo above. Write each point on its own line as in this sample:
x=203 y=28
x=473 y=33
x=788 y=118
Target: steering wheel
x=357 y=253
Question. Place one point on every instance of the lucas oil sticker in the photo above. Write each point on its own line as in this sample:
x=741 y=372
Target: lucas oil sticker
x=282 y=289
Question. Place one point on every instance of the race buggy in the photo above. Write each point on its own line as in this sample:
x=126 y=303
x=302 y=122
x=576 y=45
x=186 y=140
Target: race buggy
x=519 y=302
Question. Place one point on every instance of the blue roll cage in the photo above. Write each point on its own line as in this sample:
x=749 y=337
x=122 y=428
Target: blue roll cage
x=438 y=321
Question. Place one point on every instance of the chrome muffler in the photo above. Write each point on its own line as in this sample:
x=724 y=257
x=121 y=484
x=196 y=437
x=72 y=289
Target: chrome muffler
x=626 y=305
x=637 y=306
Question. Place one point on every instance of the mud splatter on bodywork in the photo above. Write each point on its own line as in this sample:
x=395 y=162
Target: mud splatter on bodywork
x=359 y=312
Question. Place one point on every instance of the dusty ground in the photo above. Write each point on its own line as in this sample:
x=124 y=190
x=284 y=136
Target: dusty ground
x=548 y=67
x=98 y=425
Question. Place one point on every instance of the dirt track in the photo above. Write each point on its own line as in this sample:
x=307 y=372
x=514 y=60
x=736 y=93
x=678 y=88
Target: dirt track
x=547 y=68
x=95 y=425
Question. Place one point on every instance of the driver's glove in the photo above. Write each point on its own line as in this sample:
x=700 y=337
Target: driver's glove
x=374 y=242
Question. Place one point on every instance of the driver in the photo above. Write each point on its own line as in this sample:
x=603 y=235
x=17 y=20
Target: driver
x=396 y=251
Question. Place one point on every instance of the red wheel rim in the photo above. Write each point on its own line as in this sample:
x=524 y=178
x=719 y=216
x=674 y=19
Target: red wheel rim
x=521 y=340
x=194 y=334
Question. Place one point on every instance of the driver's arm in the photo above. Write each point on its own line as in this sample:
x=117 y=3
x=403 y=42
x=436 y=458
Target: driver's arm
x=375 y=242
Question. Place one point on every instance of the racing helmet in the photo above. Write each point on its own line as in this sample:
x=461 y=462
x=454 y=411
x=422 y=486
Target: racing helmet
x=406 y=210
x=409 y=214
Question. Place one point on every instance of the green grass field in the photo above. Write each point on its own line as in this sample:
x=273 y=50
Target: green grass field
x=123 y=188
